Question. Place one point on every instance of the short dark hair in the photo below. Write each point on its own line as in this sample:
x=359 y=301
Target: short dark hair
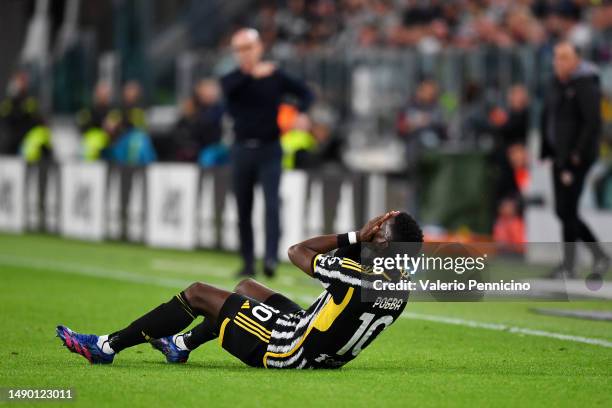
x=406 y=229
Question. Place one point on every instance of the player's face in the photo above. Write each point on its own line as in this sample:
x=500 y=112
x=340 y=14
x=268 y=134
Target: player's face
x=384 y=235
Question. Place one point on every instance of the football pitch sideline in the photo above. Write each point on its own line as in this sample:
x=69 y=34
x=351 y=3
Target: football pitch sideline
x=449 y=354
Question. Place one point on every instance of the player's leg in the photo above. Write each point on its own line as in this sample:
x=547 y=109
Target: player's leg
x=176 y=348
x=253 y=289
x=168 y=318
x=205 y=331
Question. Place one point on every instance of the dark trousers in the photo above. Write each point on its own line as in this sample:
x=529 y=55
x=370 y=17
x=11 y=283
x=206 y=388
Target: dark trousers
x=252 y=165
x=566 y=207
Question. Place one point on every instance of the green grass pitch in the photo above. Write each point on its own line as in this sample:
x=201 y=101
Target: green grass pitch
x=98 y=288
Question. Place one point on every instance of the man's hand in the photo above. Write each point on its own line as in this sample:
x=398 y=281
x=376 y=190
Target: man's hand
x=263 y=69
x=369 y=230
x=567 y=177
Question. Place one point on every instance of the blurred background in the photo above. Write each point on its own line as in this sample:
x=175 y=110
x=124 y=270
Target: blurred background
x=424 y=105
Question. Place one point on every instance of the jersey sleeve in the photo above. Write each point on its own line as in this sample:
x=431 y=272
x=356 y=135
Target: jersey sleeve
x=332 y=270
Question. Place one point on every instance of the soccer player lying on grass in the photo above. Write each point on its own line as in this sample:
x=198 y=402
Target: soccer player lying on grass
x=265 y=329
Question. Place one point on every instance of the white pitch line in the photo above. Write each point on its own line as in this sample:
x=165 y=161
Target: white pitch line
x=190 y=268
x=113 y=274
x=93 y=271
x=125 y=276
x=505 y=328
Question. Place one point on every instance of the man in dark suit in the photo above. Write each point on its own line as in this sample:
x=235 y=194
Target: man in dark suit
x=253 y=93
x=571 y=130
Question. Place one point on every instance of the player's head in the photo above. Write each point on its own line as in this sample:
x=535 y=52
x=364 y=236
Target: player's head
x=401 y=228
x=247 y=48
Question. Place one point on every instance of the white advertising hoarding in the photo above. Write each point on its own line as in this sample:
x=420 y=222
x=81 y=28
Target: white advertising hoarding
x=83 y=196
x=12 y=194
x=171 y=199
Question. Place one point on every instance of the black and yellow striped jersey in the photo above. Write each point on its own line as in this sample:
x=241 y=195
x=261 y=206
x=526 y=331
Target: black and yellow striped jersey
x=342 y=321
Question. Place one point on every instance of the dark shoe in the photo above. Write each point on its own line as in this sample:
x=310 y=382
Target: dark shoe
x=269 y=269
x=601 y=265
x=84 y=344
x=169 y=349
x=246 y=273
x=562 y=272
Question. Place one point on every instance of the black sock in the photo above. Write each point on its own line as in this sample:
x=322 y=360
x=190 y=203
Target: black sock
x=200 y=334
x=165 y=320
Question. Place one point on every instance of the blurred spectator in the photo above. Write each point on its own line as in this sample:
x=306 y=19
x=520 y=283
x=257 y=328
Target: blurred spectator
x=510 y=158
x=299 y=139
x=37 y=144
x=266 y=22
x=185 y=140
x=430 y=25
x=573 y=28
x=19 y=113
x=132 y=109
x=509 y=228
x=313 y=141
x=512 y=124
x=512 y=176
x=422 y=119
x=324 y=22
x=93 y=117
x=601 y=21
x=91 y=122
x=287 y=115
x=291 y=22
x=515 y=173
x=198 y=133
x=324 y=128
x=522 y=27
x=130 y=146
x=474 y=112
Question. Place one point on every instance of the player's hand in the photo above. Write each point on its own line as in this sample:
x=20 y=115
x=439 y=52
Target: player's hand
x=369 y=230
x=263 y=69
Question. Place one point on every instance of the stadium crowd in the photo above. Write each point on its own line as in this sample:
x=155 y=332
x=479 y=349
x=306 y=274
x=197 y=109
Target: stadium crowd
x=117 y=130
x=432 y=25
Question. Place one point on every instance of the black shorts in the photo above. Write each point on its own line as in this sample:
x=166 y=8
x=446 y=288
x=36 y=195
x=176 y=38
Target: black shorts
x=245 y=325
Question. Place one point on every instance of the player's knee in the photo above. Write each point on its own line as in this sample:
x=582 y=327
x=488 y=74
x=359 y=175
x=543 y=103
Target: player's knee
x=195 y=292
x=243 y=286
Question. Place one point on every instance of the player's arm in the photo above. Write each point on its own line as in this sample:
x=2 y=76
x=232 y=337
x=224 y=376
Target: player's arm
x=302 y=254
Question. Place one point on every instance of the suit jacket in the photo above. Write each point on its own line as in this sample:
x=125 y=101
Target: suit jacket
x=571 y=118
